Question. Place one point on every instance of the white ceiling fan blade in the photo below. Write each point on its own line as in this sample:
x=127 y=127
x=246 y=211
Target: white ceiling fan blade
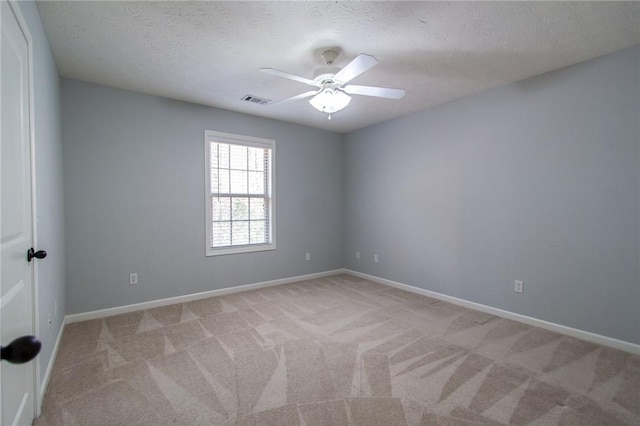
x=380 y=92
x=279 y=73
x=356 y=67
x=295 y=98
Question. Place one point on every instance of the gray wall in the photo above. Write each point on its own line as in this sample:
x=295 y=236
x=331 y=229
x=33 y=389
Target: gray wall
x=134 y=197
x=538 y=181
x=48 y=186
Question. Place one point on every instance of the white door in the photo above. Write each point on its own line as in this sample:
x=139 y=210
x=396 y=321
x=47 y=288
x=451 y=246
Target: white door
x=16 y=288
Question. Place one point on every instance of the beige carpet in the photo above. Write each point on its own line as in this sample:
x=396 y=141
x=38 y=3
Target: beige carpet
x=334 y=351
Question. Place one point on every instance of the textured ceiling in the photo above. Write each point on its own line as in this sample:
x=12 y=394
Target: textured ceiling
x=211 y=52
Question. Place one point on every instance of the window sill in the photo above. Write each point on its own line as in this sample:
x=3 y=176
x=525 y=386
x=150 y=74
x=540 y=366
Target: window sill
x=240 y=249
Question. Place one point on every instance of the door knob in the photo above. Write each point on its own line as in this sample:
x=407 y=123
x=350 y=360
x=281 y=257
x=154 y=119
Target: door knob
x=40 y=254
x=21 y=350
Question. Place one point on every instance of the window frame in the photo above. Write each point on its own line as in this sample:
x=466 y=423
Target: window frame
x=251 y=141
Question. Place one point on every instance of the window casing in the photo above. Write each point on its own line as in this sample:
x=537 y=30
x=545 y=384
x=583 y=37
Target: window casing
x=239 y=193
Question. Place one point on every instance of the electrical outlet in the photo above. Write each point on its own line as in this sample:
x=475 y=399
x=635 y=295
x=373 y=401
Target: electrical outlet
x=357 y=255
x=518 y=287
x=133 y=279
x=308 y=256
x=375 y=258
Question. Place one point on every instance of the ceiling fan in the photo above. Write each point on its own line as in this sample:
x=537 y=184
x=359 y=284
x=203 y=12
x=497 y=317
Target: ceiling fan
x=330 y=94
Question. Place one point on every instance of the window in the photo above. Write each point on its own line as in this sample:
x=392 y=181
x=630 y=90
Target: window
x=239 y=193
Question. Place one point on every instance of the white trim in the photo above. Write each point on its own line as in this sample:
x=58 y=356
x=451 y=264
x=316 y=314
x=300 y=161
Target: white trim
x=562 y=329
x=248 y=248
x=103 y=313
x=232 y=138
x=52 y=361
x=558 y=328
x=229 y=138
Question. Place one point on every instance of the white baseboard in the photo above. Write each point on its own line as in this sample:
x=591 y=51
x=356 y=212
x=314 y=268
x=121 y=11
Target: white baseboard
x=562 y=329
x=103 y=313
x=47 y=374
x=558 y=328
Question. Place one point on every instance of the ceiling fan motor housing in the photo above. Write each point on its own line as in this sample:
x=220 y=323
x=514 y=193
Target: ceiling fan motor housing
x=323 y=74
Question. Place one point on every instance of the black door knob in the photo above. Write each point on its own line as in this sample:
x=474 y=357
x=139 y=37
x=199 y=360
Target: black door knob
x=21 y=350
x=40 y=254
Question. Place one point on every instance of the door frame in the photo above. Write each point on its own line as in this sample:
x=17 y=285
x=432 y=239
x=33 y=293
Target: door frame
x=24 y=27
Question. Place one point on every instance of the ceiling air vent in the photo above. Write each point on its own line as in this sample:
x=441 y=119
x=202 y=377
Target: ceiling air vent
x=256 y=100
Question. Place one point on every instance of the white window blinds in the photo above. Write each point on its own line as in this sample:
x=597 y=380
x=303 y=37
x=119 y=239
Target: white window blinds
x=240 y=201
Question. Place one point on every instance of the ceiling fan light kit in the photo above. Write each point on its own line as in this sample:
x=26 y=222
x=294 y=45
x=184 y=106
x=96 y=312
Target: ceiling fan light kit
x=330 y=100
x=332 y=95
